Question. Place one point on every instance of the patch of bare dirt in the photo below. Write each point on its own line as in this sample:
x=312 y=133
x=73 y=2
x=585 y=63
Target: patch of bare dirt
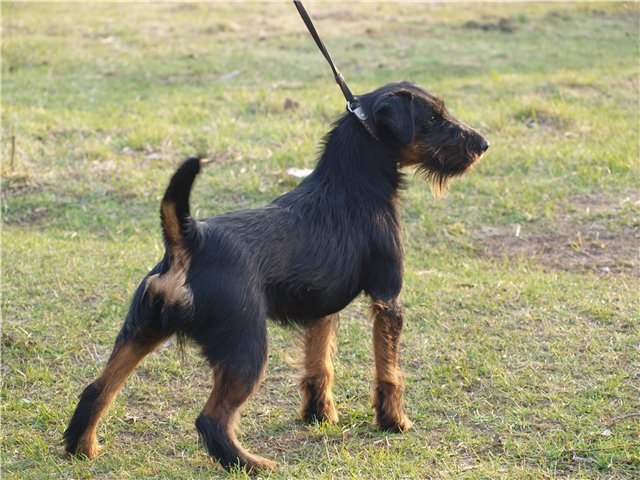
x=19 y=184
x=502 y=24
x=594 y=238
x=542 y=119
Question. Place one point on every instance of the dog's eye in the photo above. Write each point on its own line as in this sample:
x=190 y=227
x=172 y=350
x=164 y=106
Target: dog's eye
x=431 y=119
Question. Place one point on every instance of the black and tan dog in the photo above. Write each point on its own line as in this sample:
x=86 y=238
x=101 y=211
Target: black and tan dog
x=300 y=260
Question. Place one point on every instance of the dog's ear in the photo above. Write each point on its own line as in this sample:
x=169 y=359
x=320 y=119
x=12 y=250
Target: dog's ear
x=394 y=111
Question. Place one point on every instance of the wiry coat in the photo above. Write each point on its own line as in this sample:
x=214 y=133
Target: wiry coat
x=300 y=260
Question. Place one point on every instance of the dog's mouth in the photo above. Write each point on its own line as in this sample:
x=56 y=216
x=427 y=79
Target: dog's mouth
x=475 y=158
x=476 y=147
x=474 y=151
x=438 y=165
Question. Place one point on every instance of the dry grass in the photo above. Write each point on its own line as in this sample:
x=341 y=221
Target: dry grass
x=520 y=352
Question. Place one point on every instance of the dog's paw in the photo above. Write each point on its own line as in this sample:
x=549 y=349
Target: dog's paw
x=389 y=408
x=87 y=448
x=393 y=424
x=252 y=464
x=319 y=412
x=317 y=403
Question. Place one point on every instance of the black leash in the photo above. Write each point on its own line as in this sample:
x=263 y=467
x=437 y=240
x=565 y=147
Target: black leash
x=353 y=104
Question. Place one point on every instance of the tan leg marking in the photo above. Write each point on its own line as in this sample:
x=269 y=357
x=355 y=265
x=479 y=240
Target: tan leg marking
x=223 y=406
x=317 y=380
x=172 y=284
x=113 y=377
x=389 y=383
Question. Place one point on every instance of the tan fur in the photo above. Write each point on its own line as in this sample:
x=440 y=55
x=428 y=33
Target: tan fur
x=113 y=377
x=319 y=348
x=414 y=155
x=171 y=223
x=388 y=399
x=224 y=406
x=172 y=284
x=389 y=383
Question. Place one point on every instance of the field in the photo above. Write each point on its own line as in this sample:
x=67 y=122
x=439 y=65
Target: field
x=521 y=346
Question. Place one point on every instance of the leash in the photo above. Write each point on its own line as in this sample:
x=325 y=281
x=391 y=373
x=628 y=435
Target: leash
x=353 y=104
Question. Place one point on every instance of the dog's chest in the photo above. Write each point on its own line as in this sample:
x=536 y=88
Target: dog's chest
x=322 y=271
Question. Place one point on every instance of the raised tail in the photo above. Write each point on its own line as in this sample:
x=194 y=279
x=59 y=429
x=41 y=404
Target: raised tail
x=180 y=235
x=177 y=224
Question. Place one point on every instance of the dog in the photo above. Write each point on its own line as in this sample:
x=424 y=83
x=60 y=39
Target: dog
x=299 y=260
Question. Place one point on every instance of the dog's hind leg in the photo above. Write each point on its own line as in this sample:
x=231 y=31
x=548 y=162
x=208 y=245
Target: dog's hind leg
x=389 y=385
x=317 y=379
x=144 y=328
x=238 y=357
x=80 y=436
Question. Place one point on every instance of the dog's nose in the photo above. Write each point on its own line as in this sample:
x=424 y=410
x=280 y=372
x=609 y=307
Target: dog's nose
x=484 y=145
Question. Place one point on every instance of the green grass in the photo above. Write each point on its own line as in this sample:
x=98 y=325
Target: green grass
x=521 y=352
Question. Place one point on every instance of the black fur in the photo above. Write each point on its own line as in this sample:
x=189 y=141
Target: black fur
x=302 y=257
x=81 y=417
x=217 y=442
x=177 y=193
x=313 y=410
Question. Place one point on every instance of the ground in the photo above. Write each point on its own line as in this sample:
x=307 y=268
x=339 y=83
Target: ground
x=521 y=345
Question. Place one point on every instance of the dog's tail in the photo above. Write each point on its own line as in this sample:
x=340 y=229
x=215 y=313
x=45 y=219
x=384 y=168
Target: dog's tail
x=178 y=226
x=164 y=297
x=181 y=235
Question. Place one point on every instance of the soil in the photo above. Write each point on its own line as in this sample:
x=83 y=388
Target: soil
x=587 y=240
x=501 y=24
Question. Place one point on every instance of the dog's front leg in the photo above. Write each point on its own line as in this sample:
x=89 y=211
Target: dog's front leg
x=388 y=385
x=317 y=379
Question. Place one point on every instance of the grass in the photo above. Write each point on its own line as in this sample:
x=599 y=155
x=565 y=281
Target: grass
x=521 y=292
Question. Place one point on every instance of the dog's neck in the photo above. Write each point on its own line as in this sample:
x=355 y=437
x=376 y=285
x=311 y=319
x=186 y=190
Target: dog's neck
x=352 y=159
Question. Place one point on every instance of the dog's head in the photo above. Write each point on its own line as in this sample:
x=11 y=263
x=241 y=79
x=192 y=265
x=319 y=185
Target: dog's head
x=427 y=135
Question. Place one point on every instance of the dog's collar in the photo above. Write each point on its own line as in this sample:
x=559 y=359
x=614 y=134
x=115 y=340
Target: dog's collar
x=356 y=108
x=353 y=104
